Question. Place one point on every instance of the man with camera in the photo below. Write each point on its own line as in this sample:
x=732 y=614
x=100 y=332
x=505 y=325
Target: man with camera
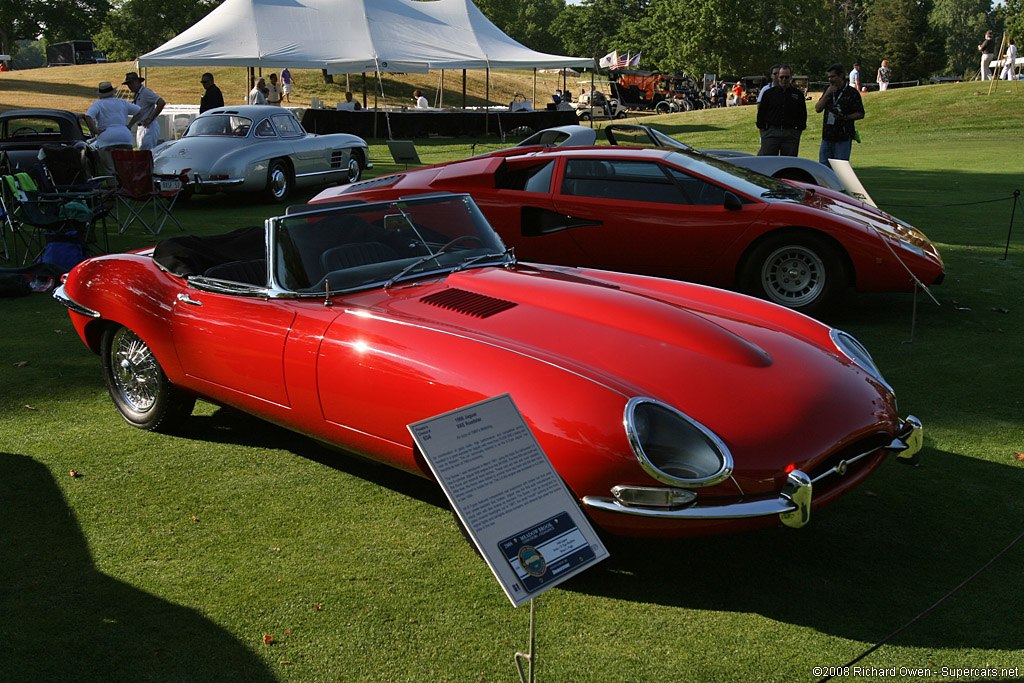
x=842 y=106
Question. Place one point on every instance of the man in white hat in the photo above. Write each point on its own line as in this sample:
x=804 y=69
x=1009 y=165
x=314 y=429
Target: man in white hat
x=108 y=116
x=148 y=133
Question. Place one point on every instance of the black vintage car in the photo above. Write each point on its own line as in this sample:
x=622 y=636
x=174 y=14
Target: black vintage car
x=23 y=132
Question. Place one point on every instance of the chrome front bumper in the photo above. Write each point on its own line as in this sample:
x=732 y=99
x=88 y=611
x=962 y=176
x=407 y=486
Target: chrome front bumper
x=793 y=506
x=60 y=295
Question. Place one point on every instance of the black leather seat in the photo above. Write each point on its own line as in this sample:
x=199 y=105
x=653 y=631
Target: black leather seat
x=253 y=271
x=356 y=254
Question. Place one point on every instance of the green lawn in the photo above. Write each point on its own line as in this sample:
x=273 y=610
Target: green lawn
x=171 y=558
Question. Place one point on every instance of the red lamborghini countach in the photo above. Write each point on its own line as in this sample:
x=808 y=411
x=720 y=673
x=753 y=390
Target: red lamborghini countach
x=669 y=409
x=678 y=214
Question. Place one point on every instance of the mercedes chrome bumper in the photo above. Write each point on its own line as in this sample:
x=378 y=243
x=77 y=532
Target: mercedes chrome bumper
x=793 y=506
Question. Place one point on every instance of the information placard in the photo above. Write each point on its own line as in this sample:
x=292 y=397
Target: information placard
x=524 y=521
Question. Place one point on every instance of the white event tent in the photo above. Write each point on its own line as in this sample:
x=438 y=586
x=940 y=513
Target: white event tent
x=351 y=36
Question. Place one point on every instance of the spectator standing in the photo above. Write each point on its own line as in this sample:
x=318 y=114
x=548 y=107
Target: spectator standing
x=714 y=94
x=1008 y=64
x=770 y=84
x=884 y=74
x=841 y=106
x=147 y=135
x=737 y=94
x=108 y=116
x=421 y=101
x=988 y=48
x=855 y=77
x=256 y=94
x=781 y=117
x=286 y=84
x=212 y=97
x=274 y=91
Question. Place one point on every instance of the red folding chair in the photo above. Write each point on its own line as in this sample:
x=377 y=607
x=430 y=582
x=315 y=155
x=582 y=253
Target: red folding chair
x=138 y=189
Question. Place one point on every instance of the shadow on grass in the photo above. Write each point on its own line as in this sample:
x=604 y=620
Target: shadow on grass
x=863 y=567
x=229 y=426
x=65 y=620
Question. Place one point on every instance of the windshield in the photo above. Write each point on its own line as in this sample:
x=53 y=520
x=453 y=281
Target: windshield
x=220 y=124
x=750 y=183
x=332 y=249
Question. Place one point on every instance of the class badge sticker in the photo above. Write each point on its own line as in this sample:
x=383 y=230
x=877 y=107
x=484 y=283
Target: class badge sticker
x=532 y=561
x=546 y=551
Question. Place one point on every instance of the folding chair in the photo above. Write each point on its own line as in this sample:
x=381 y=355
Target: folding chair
x=138 y=188
x=68 y=173
x=35 y=220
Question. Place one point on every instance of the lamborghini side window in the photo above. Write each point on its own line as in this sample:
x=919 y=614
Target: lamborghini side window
x=697 y=190
x=624 y=180
x=532 y=179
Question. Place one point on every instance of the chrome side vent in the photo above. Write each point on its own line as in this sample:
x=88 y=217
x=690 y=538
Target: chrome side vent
x=337 y=157
x=469 y=303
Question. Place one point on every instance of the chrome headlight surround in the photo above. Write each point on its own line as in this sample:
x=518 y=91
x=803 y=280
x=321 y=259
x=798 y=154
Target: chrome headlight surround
x=852 y=349
x=674 y=448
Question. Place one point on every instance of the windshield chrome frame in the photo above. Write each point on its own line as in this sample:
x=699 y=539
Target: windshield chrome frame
x=276 y=291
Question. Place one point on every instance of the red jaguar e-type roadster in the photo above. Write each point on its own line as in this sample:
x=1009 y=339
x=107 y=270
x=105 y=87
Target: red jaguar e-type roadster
x=678 y=214
x=668 y=408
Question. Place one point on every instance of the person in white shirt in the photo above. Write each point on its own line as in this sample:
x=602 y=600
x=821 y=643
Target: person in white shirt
x=855 y=77
x=109 y=116
x=421 y=101
x=350 y=104
x=1008 y=65
x=274 y=91
x=256 y=94
x=771 y=83
x=147 y=135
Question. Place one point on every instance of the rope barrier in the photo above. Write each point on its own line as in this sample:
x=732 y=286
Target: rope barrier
x=920 y=616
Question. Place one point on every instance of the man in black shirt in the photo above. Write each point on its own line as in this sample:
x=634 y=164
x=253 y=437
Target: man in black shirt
x=842 y=106
x=781 y=116
x=212 y=98
x=988 y=48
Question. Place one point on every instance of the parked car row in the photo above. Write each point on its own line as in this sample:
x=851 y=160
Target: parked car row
x=668 y=408
x=250 y=149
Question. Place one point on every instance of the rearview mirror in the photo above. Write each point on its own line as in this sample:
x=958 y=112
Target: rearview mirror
x=732 y=202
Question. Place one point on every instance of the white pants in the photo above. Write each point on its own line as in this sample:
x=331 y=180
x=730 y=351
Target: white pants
x=986 y=59
x=147 y=137
x=883 y=86
x=1007 y=74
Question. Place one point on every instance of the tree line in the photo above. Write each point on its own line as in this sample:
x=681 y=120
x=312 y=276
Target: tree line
x=920 y=38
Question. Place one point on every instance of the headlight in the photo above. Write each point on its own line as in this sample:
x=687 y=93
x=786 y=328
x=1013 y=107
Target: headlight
x=673 y=448
x=855 y=351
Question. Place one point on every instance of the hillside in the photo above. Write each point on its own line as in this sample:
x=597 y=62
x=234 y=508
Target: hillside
x=74 y=87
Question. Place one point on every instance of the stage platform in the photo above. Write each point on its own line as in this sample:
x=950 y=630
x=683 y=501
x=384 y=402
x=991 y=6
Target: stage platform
x=369 y=123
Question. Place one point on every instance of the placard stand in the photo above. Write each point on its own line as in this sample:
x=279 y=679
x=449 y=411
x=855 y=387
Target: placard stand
x=530 y=656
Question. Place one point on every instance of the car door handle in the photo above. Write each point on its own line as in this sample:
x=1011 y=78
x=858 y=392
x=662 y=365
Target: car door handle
x=186 y=299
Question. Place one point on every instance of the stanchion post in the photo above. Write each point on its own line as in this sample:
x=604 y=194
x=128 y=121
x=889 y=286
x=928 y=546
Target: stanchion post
x=531 y=656
x=1013 y=213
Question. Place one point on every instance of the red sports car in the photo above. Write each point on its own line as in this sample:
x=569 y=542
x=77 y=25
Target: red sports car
x=678 y=214
x=668 y=408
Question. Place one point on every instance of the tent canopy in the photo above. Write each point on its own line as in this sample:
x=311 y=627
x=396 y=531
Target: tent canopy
x=351 y=36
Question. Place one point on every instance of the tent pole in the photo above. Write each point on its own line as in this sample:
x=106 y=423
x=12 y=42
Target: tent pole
x=463 y=88
x=363 y=75
x=440 y=92
x=487 y=101
x=534 y=87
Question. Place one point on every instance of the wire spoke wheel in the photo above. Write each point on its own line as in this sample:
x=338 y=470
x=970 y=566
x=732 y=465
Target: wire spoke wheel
x=136 y=373
x=137 y=384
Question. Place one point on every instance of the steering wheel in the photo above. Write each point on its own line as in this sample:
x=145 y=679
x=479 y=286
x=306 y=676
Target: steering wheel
x=24 y=130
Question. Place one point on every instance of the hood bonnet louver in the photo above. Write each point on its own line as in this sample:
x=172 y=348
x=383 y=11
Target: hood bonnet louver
x=469 y=303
